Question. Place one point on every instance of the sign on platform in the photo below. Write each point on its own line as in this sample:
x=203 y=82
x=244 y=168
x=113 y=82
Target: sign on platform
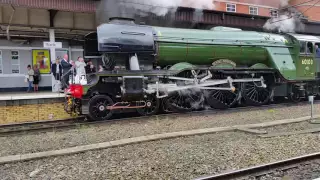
x=47 y=44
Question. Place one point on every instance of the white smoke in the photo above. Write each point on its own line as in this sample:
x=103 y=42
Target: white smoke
x=142 y=8
x=194 y=97
x=288 y=21
x=284 y=3
x=162 y=7
x=283 y=23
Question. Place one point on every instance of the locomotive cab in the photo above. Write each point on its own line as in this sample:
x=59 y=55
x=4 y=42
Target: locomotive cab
x=317 y=57
x=308 y=64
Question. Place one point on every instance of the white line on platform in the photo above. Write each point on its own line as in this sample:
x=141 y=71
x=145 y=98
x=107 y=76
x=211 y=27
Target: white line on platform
x=31 y=96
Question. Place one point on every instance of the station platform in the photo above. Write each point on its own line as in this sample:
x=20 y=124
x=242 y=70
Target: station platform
x=29 y=107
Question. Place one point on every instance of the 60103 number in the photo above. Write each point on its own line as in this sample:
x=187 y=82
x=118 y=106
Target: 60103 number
x=307 y=61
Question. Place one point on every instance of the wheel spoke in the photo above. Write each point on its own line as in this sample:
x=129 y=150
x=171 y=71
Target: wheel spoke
x=217 y=92
x=252 y=94
x=250 y=90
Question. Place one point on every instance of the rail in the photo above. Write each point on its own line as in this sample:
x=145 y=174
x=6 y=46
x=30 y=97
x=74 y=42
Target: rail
x=263 y=169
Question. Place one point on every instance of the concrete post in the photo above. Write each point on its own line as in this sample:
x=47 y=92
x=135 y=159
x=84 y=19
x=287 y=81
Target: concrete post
x=69 y=54
x=311 y=99
x=53 y=58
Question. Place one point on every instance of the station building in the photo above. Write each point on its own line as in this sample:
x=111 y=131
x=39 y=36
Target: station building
x=24 y=27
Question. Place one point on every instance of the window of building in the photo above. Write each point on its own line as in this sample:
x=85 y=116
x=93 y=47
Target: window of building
x=274 y=13
x=231 y=8
x=15 y=62
x=253 y=10
x=1 y=69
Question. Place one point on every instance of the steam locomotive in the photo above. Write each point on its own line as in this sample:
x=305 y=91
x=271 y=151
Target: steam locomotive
x=149 y=69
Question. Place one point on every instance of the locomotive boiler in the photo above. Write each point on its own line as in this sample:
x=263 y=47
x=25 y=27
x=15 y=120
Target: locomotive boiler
x=151 y=68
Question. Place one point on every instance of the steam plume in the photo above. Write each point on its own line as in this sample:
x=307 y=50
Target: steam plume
x=284 y=3
x=288 y=21
x=162 y=7
x=283 y=23
x=132 y=8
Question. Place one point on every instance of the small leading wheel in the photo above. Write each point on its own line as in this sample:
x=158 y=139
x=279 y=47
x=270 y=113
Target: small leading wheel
x=254 y=94
x=98 y=108
x=295 y=97
x=152 y=106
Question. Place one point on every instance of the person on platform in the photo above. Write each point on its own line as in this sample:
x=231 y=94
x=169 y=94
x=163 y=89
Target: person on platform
x=90 y=68
x=66 y=66
x=80 y=66
x=80 y=71
x=36 y=78
x=29 y=77
x=56 y=70
x=317 y=51
x=100 y=68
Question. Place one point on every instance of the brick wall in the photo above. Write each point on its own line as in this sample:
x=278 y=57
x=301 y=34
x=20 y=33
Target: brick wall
x=272 y=3
x=242 y=6
x=32 y=110
x=313 y=14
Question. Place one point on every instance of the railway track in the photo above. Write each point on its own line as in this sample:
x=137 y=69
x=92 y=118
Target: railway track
x=6 y=130
x=302 y=167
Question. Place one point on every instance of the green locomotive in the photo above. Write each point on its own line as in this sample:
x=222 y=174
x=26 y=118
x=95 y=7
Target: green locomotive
x=152 y=68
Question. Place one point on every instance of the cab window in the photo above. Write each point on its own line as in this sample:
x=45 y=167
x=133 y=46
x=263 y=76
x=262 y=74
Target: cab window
x=317 y=49
x=302 y=47
x=310 y=48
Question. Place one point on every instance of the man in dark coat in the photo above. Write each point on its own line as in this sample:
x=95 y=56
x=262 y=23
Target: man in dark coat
x=56 y=70
x=66 y=66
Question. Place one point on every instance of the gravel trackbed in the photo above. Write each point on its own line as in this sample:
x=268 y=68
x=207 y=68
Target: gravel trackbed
x=52 y=140
x=181 y=158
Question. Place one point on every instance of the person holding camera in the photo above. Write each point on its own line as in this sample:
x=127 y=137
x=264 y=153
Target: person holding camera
x=90 y=68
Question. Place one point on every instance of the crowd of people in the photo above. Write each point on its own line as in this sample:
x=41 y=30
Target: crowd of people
x=61 y=70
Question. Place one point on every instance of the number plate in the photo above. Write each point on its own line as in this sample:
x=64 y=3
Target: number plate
x=307 y=61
